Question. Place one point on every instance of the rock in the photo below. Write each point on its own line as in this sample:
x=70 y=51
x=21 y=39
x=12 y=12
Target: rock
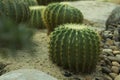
x=117 y=77
x=118 y=56
x=106 y=70
x=67 y=74
x=113 y=75
x=115 y=69
x=106 y=77
x=107 y=50
x=114 y=19
x=117 y=44
x=114 y=58
x=102 y=63
x=115 y=63
x=109 y=42
x=116 y=52
x=26 y=74
x=114 y=47
x=107 y=61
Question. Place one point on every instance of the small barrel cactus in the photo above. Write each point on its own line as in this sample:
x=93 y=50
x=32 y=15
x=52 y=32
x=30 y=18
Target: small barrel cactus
x=30 y=2
x=35 y=16
x=75 y=47
x=16 y=10
x=58 y=13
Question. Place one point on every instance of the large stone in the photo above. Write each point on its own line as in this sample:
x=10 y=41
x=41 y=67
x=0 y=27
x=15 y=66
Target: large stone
x=26 y=74
x=95 y=11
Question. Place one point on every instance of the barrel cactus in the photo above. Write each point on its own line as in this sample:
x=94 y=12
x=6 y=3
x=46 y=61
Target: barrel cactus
x=59 y=13
x=17 y=11
x=35 y=16
x=74 y=47
x=30 y=2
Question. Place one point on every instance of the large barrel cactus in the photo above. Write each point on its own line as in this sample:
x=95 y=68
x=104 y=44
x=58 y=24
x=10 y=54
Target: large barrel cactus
x=16 y=10
x=59 y=13
x=35 y=16
x=30 y=2
x=75 y=47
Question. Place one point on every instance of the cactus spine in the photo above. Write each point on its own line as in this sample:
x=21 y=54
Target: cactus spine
x=17 y=11
x=36 y=18
x=75 y=47
x=59 y=13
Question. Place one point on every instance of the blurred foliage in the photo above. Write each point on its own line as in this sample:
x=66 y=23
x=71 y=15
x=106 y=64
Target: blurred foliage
x=13 y=35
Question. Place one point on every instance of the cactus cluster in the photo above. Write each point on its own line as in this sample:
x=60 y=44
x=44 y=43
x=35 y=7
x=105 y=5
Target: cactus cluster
x=30 y=2
x=13 y=35
x=17 y=11
x=75 y=47
x=36 y=17
x=58 y=13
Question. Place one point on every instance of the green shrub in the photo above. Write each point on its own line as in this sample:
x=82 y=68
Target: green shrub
x=16 y=10
x=14 y=35
x=36 y=17
x=75 y=47
x=58 y=13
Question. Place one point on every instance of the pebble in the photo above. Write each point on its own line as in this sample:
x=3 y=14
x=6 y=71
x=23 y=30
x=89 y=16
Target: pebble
x=117 y=44
x=116 y=52
x=106 y=70
x=106 y=77
x=117 y=77
x=118 y=56
x=107 y=61
x=113 y=47
x=109 y=42
x=112 y=58
x=115 y=69
x=107 y=51
x=115 y=63
x=113 y=75
x=102 y=63
x=67 y=74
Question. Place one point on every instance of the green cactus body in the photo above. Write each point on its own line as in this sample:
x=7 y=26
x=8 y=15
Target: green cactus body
x=58 y=13
x=17 y=11
x=36 y=18
x=30 y=2
x=75 y=47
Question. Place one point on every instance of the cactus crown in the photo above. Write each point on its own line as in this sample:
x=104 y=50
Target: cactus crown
x=75 y=48
x=36 y=16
